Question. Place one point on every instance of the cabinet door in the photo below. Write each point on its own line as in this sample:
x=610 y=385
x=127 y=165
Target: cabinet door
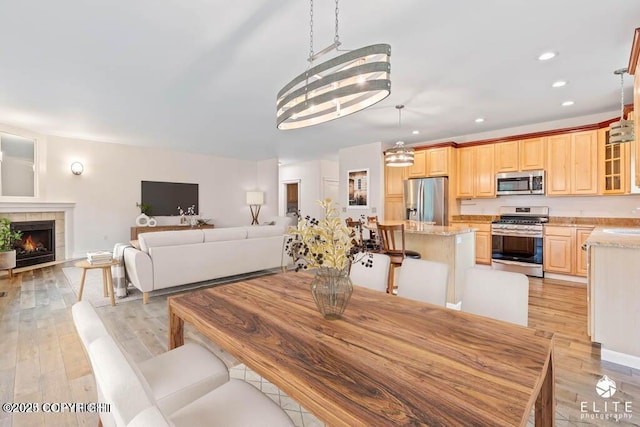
x=506 y=156
x=584 y=152
x=483 y=242
x=438 y=161
x=582 y=234
x=485 y=176
x=466 y=172
x=419 y=168
x=636 y=121
x=557 y=254
x=393 y=209
x=393 y=178
x=532 y=153
x=558 y=165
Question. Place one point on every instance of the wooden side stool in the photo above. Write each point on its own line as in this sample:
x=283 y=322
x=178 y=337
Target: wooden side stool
x=107 y=280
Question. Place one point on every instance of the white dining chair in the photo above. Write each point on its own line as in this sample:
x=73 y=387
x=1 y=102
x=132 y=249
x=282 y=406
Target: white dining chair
x=374 y=277
x=501 y=295
x=423 y=280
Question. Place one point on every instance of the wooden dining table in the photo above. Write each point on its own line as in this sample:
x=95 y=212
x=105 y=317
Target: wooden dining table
x=387 y=361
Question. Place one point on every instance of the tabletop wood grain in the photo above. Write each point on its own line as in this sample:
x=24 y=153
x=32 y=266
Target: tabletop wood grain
x=389 y=360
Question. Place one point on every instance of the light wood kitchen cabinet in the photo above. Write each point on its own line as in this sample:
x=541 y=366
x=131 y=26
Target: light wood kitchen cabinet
x=572 y=164
x=476 y=171
x=438 y=161
x=563 y=250
x=523 y=155
x=506 y=156
x=393 y=178
x=394 y=209
x=614 y=160
x=634 y=69
x=419 y=167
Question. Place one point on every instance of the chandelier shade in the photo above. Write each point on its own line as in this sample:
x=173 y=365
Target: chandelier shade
x=336 y=88
x=622 y=130
x=399 y=156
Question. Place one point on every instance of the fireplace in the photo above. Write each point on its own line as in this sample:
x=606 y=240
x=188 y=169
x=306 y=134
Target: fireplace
x=38 y=243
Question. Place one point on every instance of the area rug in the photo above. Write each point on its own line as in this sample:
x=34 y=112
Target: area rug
x=93 y=285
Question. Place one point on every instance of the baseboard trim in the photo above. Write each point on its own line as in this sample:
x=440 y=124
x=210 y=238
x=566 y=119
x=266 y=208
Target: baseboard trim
x=620 y=358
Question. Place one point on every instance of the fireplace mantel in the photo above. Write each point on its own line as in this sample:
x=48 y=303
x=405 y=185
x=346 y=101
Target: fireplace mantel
x=60 y=212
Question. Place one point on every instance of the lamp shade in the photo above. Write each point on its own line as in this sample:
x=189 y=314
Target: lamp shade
x=255 y=197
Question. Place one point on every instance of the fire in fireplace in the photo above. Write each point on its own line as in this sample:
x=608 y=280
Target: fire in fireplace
x=37 y=245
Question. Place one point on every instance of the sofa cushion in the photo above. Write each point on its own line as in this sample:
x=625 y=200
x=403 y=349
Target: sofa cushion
x=257 y=231
x=169 y=238
x=224 y=234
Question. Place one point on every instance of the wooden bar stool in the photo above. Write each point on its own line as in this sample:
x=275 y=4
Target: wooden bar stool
x=107 y=280
x=397 y=253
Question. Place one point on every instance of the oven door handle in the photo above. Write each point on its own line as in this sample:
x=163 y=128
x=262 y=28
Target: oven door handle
x=507 y=262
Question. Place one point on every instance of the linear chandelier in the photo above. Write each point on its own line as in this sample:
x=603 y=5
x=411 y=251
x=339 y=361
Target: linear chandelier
x=622 y=130
x=335 y=88
x=399 y=156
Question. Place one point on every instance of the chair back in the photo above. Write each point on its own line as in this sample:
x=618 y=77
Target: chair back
x=357 y=230
x=501 y=295
x=374 y=277
x=424 y=280
x=388 y=244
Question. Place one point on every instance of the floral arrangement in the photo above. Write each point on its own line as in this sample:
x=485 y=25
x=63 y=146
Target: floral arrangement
x=325 y=243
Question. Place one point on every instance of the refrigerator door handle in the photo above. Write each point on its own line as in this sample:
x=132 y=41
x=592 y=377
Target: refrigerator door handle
x=420 y=216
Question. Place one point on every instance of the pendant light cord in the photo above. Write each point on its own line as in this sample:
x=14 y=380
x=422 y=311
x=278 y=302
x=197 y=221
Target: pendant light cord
x=311 y=30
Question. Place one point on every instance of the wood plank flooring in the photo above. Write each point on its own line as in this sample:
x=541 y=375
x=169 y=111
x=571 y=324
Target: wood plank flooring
x=42 y=359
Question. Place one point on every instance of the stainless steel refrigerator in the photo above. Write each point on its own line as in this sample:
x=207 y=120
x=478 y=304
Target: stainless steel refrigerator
x=425 y=199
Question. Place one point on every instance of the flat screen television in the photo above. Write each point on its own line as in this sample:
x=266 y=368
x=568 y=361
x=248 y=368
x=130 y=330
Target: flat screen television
x=165 y=197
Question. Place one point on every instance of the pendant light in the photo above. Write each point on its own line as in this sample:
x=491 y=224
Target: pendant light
x=335 y=88
x=622 y=130
x=399 y=156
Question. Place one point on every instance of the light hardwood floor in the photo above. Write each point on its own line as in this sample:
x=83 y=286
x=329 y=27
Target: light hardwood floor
x=42 y=359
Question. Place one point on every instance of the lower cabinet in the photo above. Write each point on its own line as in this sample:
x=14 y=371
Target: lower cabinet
x=393 y=209
x=563 y=251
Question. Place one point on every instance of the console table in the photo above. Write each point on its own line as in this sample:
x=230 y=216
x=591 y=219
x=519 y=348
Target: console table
x=137 y=230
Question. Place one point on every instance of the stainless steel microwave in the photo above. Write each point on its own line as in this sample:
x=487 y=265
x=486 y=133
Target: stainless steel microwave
x=514 y=183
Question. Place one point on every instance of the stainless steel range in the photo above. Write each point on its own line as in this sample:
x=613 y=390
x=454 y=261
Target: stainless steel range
x=516 y=239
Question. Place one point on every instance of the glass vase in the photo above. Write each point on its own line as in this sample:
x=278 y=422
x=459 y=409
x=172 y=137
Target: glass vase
x=331 y=290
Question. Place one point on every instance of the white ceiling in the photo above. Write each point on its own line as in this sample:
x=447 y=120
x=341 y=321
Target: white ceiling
x=202 y=75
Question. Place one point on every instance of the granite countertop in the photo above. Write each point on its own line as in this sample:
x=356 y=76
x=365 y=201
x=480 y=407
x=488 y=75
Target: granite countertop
x=416 y=227
x=593 y=221
x=599 y=237
x=474 y=218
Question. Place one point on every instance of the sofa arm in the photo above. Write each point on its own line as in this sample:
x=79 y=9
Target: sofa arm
x=139 y=269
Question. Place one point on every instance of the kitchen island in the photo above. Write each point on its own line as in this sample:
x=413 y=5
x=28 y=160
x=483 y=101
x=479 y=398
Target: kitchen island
x=613 y=293
x=452 y=245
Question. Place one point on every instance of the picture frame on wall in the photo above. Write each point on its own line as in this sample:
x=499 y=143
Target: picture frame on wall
x=358 y=189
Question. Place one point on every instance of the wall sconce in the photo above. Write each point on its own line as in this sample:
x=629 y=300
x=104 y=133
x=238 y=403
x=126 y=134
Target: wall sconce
x=255 y=199
x=77 y=168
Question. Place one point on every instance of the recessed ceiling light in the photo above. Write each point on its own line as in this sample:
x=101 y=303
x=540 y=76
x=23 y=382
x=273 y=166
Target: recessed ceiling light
x=559 y=83
x=567 y=103
x=547 y=56
x=415 y=132
x=479 y=120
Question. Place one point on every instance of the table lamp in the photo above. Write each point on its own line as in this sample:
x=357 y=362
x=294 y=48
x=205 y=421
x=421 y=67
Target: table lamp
x=255 y=199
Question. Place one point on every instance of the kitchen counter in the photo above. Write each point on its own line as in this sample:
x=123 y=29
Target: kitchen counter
x=417 y=227
x=452 y=245
x=601 y=238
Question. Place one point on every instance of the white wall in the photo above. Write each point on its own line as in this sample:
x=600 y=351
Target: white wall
x=368 y=156
x=310 y=175
x=107 y=192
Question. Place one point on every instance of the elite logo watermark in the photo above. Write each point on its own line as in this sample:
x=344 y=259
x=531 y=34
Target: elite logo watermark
x=605 y=409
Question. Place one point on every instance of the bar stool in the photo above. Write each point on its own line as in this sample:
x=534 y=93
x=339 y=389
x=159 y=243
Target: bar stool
x=397 y=254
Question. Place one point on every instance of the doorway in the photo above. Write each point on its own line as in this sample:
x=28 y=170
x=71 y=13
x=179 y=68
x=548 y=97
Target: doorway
x=292 y=207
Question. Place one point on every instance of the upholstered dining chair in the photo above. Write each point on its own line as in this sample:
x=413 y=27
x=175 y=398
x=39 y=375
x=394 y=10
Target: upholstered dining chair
x=374 y=277
x=423 y=280
x=501 y=295
x=395 y=251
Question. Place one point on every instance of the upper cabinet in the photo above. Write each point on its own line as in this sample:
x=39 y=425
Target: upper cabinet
x=393 y=178
x=476 y=171
x=523 y=155
x=572 y=164
x=419 y=167
x=430 y=162
x=634 y=69
x=614 y=162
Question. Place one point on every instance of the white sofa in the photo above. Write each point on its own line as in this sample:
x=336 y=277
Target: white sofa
x=174 y=258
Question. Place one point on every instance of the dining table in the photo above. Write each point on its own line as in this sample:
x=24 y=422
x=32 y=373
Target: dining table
x=387 y=361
